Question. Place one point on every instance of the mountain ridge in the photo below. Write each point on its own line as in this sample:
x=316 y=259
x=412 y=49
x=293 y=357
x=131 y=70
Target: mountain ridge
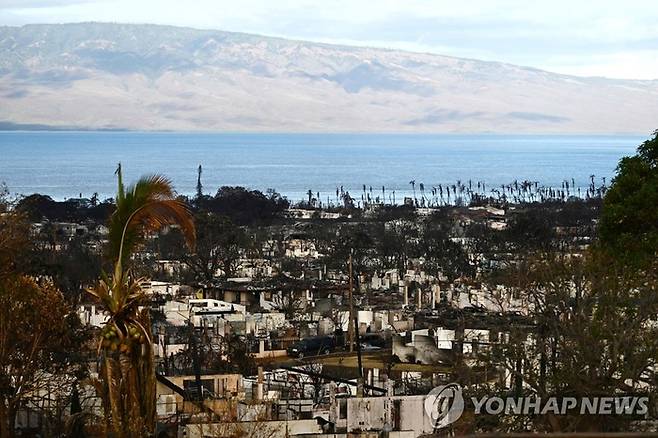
x=156 y=77
x=296 y=40
x=322 y=43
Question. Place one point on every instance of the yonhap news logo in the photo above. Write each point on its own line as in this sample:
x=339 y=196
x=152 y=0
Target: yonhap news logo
x=444 y=405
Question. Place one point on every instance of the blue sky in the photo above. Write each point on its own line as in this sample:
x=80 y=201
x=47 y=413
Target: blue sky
x=581 y=37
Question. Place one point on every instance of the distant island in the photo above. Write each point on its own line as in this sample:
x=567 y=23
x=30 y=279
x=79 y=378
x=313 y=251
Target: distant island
x=9 y=126
x=148 y=77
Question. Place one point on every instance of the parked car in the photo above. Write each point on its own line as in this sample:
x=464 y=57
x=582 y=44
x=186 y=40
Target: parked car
x=312 y=346
x=374 y=340
x=368 y=347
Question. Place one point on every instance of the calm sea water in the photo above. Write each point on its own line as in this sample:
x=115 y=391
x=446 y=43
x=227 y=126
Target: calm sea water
x=65 y=164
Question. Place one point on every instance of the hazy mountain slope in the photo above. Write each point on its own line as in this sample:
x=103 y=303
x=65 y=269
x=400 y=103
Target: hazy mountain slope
x=157 y=77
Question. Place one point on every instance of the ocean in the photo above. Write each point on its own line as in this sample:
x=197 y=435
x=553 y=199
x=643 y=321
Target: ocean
x=70 y=164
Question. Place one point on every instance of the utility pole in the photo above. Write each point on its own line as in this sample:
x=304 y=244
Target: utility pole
x=358 y=354
x=350 y=329
x=196 y=364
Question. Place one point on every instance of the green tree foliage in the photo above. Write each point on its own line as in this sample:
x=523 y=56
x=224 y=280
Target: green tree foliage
x=444 y=256
x=396 y=243
x=219 y=246
x=593 y=334
x=357 y=240
x=73 y=268
x=41 y=207
x=244 y=206
x=4 y=197
x=629 y=223
x=530 y=230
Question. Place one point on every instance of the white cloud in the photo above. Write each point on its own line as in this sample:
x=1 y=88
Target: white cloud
x=632 y=65
x=35 y=4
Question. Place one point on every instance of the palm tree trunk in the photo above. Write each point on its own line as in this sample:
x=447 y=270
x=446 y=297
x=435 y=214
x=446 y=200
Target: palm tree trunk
x=113 y=385
x=131 y=393
x=131 y=400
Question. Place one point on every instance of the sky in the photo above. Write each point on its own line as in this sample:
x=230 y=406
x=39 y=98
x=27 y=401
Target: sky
x=610 y=38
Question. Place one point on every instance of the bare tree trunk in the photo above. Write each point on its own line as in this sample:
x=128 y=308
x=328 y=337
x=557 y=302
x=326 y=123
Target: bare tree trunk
x=7 y=419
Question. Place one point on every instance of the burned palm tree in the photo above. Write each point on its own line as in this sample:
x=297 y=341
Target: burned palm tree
x=127 y=373
x=413 y=186
x=199 y=186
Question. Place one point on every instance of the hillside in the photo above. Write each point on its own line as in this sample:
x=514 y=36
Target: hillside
x=148 y=77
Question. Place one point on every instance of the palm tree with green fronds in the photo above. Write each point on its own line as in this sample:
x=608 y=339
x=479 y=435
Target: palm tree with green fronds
x=127 y=374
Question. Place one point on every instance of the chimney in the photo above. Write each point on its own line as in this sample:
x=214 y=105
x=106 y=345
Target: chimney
x=436 y=295
x=333 y=409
